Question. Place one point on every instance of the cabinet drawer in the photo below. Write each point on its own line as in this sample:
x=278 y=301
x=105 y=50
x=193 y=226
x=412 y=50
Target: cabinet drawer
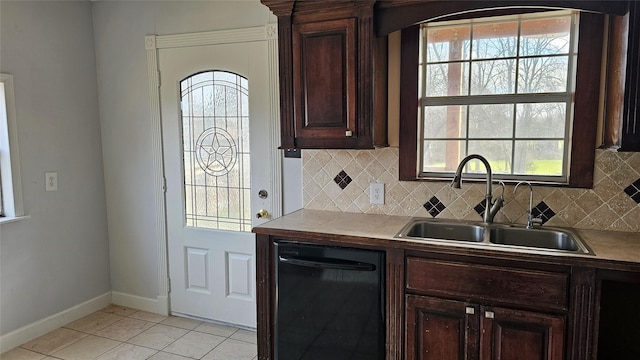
x=491 y=283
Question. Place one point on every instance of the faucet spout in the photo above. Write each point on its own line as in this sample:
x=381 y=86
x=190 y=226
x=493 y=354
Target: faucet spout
x=457 y=179
x=531 y=221
x=491 y=208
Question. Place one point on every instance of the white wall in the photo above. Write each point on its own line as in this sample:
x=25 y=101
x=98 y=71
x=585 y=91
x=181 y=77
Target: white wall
x=292 y=185
x=66 y=254
x=120 y=28
x=59 y=257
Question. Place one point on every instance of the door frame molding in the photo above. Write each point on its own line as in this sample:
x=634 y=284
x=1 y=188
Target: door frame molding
x=153 y=43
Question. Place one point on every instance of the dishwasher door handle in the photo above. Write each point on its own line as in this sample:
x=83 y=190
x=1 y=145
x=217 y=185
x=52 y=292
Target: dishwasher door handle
x=326 y=263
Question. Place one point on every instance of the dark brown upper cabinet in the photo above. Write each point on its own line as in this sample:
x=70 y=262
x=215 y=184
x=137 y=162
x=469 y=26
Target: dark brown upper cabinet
x=630 y=140
x=333 y=64
x=622 y=111
x=332 y=75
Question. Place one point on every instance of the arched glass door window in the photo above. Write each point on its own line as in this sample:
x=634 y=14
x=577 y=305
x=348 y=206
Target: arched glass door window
x=215 y=136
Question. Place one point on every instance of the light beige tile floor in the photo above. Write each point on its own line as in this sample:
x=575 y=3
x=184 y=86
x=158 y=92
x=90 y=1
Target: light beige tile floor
x=121 y=333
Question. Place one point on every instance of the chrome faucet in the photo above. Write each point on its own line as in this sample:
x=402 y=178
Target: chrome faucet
x=531 y=221
x=490 y=207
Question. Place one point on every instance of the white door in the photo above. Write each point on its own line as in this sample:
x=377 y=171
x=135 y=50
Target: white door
x=215 y=123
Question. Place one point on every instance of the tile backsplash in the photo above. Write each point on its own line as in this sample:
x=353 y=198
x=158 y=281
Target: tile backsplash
x=339 y=180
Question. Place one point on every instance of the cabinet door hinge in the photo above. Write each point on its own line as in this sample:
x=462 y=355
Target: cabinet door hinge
x=169 y=285
x=164 y=184
x=158 y=77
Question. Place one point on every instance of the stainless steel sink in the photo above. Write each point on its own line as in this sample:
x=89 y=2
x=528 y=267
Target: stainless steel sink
x=494 y=235
x=431 y=229
x=552 y=239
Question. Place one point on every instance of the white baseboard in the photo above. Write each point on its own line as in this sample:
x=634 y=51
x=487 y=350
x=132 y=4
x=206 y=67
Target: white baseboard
x=136 y=302
x=41 y=327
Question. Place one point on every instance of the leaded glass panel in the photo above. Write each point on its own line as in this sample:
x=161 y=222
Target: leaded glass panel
x=215 y=135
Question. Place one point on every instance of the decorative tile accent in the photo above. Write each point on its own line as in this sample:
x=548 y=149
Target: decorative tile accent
x=480 y=209
x=543 y=211
x=342 y=179
x=633 y=191
x=434 y=206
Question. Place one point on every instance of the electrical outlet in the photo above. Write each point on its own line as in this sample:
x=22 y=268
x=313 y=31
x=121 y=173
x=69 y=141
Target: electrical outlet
x=376 y=193
x=51 y=181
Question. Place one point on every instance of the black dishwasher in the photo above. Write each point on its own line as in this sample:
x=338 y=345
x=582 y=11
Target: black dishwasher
x=329 y=303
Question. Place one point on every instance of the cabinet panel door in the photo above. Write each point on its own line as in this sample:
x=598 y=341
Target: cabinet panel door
x=324 y=79
x=522 y=335
x=438 y=329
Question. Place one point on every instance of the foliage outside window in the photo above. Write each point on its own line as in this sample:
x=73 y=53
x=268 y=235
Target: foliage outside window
x=500 y=87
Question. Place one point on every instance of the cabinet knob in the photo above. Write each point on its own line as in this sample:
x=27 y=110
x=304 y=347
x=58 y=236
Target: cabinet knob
x=470 y=310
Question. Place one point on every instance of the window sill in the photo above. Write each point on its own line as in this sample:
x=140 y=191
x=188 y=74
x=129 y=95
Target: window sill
x=8 y=219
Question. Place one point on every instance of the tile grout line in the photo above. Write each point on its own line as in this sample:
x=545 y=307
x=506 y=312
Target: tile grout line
x=87 y=333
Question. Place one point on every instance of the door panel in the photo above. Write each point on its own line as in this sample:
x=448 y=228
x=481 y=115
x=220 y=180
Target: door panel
x=439 y=329
x=239 y=279
x=197 y=274
x=214 y=101
x=324 y=68
x=514 y=334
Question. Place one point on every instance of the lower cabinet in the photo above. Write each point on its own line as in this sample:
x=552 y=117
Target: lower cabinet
x=523 y=335
x=463 y=311
x=618 y=316
x=442 y=329
x=443 y=306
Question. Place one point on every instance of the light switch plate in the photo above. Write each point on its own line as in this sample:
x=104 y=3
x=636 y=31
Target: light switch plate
x=376 y=193
x=51 y=181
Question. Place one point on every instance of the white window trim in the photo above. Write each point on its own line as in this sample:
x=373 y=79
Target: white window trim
x=9 y=159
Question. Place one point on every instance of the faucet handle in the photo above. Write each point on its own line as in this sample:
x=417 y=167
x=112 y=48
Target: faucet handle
x=501 y=183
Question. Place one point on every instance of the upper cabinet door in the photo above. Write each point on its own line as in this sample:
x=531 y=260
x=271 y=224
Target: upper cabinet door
x=333 y=75
x=324 y=82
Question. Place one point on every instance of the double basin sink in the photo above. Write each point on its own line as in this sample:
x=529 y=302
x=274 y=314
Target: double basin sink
x=494 y=235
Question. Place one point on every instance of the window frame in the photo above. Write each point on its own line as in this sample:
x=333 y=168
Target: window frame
x=585 y=108
x=10 y=180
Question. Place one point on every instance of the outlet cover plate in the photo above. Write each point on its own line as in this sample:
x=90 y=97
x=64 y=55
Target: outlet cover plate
x=376 y=193
x=51 y=181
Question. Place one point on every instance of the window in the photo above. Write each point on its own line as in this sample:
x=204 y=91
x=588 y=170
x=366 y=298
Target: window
x=216 y=159
x=498 y=87
x=503 y=87
x=11 y=188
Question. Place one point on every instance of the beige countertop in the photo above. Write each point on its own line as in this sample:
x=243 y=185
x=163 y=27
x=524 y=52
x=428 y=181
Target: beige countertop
x=610 y=249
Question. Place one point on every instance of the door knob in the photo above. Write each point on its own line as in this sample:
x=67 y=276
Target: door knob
x=262 y=214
